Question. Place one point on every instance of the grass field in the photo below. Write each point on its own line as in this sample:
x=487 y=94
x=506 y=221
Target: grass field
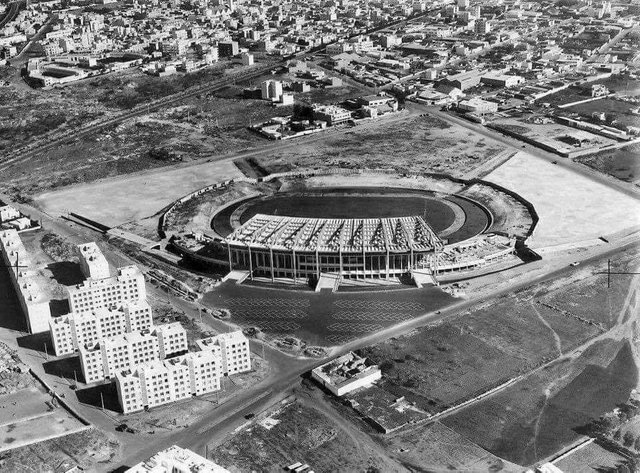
x=621 y=163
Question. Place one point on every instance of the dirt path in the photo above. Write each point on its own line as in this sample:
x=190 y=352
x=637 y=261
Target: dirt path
x=362 y=441
x=556 y=337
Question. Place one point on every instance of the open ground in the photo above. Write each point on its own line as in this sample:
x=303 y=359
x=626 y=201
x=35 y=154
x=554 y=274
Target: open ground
x=572 y=208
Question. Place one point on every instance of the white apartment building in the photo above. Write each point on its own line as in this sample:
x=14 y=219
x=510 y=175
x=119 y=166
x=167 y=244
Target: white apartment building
x=271 y=90
x=127 y=285
x=234 y=351
x=177 y=460
x=122 y=352
x=34 y=303
x=92 y=262
x=172 y=339
x=332 y=114
x=160 y=382
x=72 y=331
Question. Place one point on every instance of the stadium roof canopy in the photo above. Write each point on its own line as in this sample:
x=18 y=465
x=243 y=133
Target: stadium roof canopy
x=394 y=235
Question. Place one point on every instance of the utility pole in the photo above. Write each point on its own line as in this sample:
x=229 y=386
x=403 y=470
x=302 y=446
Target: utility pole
x=75 y=377
x=608 y=273
x=46 y=354
x=102 y=401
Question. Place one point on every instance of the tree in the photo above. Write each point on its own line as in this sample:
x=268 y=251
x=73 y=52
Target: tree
x=617 y=435
x=628 y=439
x=637 y=444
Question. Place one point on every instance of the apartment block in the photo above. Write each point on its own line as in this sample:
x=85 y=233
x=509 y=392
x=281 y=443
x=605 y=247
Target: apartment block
x=172 y=339
x=234 y=351
x=72 y=331
x=127 y=285
x=34 y=304
x=92 y=262
x=160 y=382
x=177 y=460
x=122 y=352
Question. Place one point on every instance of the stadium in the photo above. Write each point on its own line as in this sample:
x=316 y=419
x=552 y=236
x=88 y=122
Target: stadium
x=365 y=225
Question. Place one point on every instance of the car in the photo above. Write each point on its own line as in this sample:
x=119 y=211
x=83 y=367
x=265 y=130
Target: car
x=554 y=162
x=250 y=416
x=130 y=430
x=122 y=427
x=575 y=263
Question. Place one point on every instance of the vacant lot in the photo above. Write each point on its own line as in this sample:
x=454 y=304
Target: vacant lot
x=571 y=207
x=407 y=143
x=92 y=450
x=621 y=163
x=26 y=418
x=443 y=365
x=134 y=197
x=437 y=448
x=301 y=433
x=537 y=417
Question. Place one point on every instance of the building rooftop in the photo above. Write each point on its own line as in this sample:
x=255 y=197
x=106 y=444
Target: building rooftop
x=177 y=459
x=332 y=235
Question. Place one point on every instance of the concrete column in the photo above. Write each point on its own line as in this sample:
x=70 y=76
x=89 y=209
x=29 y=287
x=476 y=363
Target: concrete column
x=230 y=263
x=294 y=267
x=271 y=257
x=250 y=263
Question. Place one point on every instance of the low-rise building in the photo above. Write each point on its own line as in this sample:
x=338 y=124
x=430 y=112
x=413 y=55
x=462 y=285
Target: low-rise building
x=332 y=114
x=8 y=212
x=477 y=105
x=177 y=460
x=346 y=373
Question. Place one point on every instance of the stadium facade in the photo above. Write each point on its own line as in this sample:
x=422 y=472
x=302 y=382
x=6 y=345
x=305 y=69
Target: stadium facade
x=302 y=248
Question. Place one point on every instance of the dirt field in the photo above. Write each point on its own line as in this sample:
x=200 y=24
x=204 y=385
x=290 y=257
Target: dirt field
x=91 y=449
x=205 y=125
x=437 y=448
x=571 y=207
x=448 y=363
x=136 y=196
x=537 y=417
x=26 y=418
x=416 y=144
x=301 y=433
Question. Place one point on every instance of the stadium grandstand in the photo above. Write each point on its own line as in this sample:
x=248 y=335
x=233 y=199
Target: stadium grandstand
x=297 y=247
